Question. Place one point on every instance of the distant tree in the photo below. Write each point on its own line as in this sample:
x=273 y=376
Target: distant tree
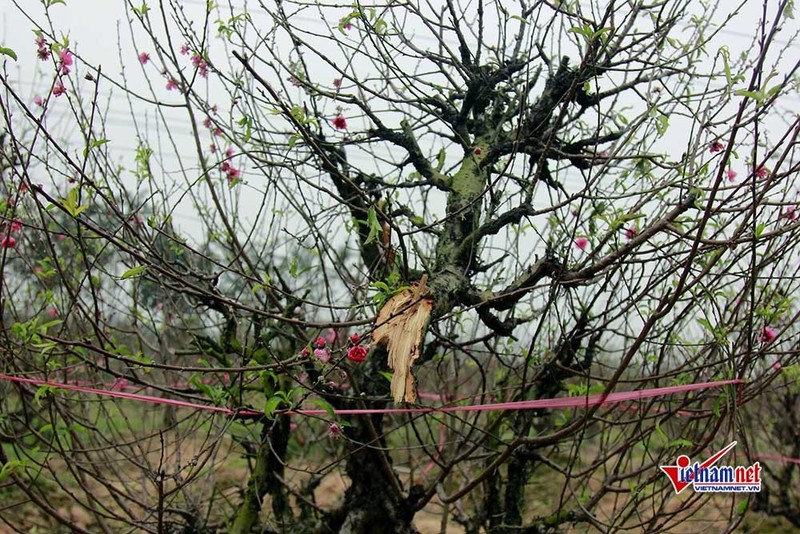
x=411 y=204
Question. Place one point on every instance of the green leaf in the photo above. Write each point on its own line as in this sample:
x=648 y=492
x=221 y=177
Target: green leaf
x=247 y=122
x=141 y=10
x=71 y=203
x=41 y=392
x=134 y=272
x=271 y=405
x=374 y=226
x=54 y=2
x=8 y=52
x=94 y=144
x=741 y=508
x=584 y=31
x=9 y=467
x=755 y=95
x=440 y=159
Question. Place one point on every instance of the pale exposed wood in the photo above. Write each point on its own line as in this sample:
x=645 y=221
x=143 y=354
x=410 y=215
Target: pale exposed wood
x=400 y=326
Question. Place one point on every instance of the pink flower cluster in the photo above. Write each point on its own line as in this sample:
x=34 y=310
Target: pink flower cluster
x=232 y=174
x=356 y=353
x=200 y=64
x=42 y=49
x=197 y=60
x=768 y=335
x=67 y=60
x=321 y=348
x=6 y=239
x=790 y=214
x=335 y=431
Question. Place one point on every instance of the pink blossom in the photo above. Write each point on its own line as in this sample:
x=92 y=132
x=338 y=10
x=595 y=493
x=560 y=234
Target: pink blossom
x=42 y=50
x=305 y=352
x=790 y=213
x=16 y=225
x=334 y=431
x=322 y=355
x=201 y=64
x=66 y=61
x=207 y=122
x=357 y=354
x=321 y=342
x=354 y=339
x=768 y=335
x=171 y=84
x=59 y=89
x=340 y=123
x=330 y=336
x=716 y=146
x=213 y=148
x=185 y=49
x=762 y=172
x=582 y=243
x=119 y=384
x=144 y=57
x=776 y=366
x=631 y=232
x=233 y=174
x=731 y=175
x=217 y=132
x=337 y=83
x=229 y=152
x=38 y=101
x=345 y=24
x=7 y=241
x=52 y=312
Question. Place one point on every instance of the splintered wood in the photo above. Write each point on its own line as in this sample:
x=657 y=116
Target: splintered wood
x=400 y=325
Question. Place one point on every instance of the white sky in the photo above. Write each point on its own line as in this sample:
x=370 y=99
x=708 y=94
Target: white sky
x=98 y=28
